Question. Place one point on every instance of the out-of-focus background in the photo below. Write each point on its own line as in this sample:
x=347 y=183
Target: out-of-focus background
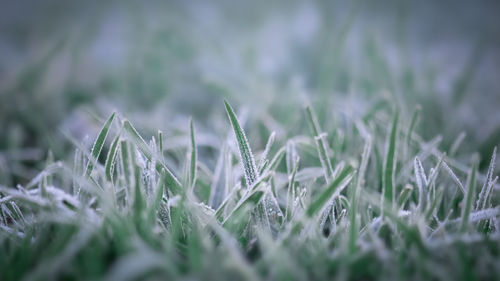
x=66 y=65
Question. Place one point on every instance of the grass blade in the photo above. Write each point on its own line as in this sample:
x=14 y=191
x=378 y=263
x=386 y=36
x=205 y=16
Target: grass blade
x=160 y=142
x=404 y=195
x=321 y=145
x=246 y=155
x=291 y=193
x=332 y=189
x=484 y=194
x=413 y=122
x=125 y=163
x=263 y=157
x=469 y=197
x=353 y=233
x=238 y=218
x=99 y=143
x=454 y=177
x=194 y=156
x=111 y=158
x=388 y=179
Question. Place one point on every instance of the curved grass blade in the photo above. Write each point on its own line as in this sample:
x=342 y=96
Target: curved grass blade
x=253 y=199
x=99 y=143
x=246 y=155
x=332 y=189
x=111 y=158
x=404 y=195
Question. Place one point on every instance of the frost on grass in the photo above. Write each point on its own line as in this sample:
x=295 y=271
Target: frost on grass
x=297 y=218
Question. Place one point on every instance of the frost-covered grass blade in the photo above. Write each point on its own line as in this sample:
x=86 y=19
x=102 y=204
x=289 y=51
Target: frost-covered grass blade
x=247 y=159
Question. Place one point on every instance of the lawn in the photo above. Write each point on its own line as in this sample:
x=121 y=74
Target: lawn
x=233 y=141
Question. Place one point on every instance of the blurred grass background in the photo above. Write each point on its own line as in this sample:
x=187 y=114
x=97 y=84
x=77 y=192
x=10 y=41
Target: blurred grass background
x=65 y=64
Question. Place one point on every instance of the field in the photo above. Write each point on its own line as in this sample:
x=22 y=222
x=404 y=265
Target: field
x=316 y=140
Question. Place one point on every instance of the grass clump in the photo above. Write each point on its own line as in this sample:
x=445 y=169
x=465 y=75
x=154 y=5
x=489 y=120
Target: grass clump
x=301 y=213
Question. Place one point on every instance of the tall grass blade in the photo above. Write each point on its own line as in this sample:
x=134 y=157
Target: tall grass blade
x=248 y=162
x=388 y=179
x=421 y=180
x=321 y=144
x=469 y=197
x=360 y=181
x=194 y=156
x=98 y=144
x=111 y=158
x=484 y=193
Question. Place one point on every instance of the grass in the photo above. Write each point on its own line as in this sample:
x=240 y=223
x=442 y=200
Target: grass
x=131 y=217
x=375 y=178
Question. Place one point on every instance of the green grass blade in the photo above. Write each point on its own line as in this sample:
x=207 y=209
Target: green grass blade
x=125 y=161
x=194 y=156
x=160 y=142
x=436 y=201
x=388 y=179
x=484 y=194
x=291 y=192
x=111 y=158
x=469 y=197
x=238 y=218
x=332 y=189
x=404 y=195
x=99 y=143
x=353 y=232
x=158 y=196
x=139 y=200
x=246 y=155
